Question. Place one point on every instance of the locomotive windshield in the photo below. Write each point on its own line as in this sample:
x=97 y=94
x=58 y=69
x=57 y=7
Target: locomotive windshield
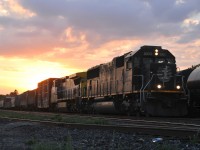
x=164 y=60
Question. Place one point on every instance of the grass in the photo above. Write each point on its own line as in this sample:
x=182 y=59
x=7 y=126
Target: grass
x=35 y=144
x=32 y=141
x=69 y=145
x=19 y=115
x=195 y=138
x=167 y=147
x=84 y=120
x=54 y=117
x=50 y=146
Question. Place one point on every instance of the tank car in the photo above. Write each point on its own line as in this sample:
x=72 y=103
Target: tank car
x=143 y=81
x=193 y=84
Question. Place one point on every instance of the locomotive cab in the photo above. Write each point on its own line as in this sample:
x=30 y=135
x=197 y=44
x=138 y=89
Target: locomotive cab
x=156 y=82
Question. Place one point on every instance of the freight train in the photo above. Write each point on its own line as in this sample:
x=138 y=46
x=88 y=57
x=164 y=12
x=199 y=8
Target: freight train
x=139 y=82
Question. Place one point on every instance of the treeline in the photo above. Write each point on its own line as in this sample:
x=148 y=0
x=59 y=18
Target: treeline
x=11 y=94
x=194 y=66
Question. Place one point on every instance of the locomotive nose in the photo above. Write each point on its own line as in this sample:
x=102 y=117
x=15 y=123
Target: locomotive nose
x=164 y=73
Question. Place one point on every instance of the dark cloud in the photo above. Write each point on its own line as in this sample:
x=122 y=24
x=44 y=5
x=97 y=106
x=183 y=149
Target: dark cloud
x=169 y=11
x=115 y=19
x=110 y=19
x=190 y=36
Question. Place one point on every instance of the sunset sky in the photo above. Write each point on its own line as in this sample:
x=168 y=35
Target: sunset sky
x=54 y=38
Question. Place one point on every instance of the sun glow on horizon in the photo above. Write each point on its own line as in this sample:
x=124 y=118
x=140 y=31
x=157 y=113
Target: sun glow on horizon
x=23 y=74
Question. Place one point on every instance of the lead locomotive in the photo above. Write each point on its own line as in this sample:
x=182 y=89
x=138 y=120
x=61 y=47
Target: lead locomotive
x=143 y=81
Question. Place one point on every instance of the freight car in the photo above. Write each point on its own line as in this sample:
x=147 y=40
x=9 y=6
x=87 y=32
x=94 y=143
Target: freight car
x=9 y=102
x=26 y=100
x=1 y=103
x=193 y=84
x=23 y=105
x=32 y=99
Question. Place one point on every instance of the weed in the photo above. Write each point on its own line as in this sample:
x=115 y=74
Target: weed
x=47 y=146
x=57 y=117
x=195 y=138
x=68 y=145
x=165 y=146
x=32 y=141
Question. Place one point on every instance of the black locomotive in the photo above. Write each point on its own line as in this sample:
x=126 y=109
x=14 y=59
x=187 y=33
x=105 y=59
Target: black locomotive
x=139 y=82
x=143 y=81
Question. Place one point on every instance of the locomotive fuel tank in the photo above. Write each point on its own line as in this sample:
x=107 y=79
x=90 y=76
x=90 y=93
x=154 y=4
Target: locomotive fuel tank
x=105 y=107
x=194 y=79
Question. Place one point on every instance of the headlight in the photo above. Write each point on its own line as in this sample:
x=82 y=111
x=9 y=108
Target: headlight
x=178 y=87
x=159 y=86
x=156 y=52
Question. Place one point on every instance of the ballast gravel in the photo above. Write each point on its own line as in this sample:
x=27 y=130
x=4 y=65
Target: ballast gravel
x=35 y=136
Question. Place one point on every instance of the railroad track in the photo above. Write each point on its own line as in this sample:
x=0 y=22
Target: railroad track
x=162 y=128
x=165 y=119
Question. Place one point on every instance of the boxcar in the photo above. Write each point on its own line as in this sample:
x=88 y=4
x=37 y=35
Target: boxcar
x=1 y=103
x=22 y=100
x=9 y=102
x=32 y=99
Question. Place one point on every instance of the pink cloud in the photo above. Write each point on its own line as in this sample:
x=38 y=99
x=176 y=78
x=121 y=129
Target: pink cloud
x=76 y=35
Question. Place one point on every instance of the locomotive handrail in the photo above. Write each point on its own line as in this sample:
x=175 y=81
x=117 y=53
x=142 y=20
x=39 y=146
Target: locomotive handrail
x=142 y=76
x=147 y=85
x=183 y=85
x=182 y=80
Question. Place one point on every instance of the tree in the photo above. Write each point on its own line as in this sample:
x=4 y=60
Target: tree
x=15 y=93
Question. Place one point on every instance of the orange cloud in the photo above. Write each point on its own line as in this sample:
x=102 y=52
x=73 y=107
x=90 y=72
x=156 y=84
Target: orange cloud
x=88 y=55
x=13 y=8
x=74 y=37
